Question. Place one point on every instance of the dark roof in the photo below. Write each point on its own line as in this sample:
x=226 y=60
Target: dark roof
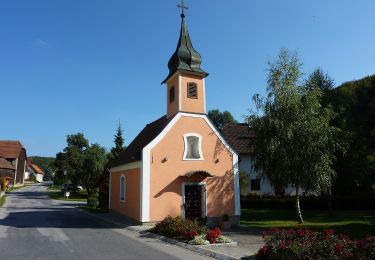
x=10 y=149
x=240 y=137
x=185 y=58
x=133 y=152
x=5 y=164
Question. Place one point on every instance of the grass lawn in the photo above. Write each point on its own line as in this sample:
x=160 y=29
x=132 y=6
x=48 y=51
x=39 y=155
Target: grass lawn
x=94 y=210
x=2 y=200
x=353 y=223
x=74 y=196
x=54 y=188
x=14 y=188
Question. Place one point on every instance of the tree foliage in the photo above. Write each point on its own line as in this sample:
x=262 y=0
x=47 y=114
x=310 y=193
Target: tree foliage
x=220 y=118
x=354 y=103
x=82 y=162
x=295 y=141
x=119 y=143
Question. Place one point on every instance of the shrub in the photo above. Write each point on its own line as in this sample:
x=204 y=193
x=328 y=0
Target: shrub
x=306 y=244
x=93 y=202
x=223 y=239
x=213 y=234
x=178 y=228
x=199 y=240
x=191 y=234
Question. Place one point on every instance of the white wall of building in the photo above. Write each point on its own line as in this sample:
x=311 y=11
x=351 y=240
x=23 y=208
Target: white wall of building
x=246 y=165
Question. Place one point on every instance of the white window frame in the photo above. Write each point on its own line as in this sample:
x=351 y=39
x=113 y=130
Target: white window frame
x=123 y=177
x=199 y=147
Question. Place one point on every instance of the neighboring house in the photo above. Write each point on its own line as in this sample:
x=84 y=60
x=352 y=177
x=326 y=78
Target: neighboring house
x=178 y=165
x=6 y=171
x=33 y=172
x=242 y=139
x=14 y=153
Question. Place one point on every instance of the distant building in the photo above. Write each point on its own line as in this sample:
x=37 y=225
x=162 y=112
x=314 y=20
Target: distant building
x=33 y=171
x=12 y=162
x=242 y=139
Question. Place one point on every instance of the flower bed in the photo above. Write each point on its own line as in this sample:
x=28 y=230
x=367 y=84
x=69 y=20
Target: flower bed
x=189 y=231
x=306 y=244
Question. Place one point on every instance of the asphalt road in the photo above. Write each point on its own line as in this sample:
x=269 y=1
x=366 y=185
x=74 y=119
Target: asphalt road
x=32 y=226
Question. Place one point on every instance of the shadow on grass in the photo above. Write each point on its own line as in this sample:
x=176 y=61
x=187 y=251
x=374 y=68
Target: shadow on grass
x=353 y=223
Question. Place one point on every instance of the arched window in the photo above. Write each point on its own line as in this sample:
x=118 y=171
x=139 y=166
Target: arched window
x=193 y=147
x=122 y=188
x=192 y=91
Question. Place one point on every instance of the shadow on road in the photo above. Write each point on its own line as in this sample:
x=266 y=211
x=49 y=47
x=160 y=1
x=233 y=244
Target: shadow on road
x=65 y=218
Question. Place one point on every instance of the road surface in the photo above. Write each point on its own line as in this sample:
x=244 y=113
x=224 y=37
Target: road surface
x=32 y=226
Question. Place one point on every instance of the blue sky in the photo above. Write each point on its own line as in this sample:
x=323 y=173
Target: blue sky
x=81 y=66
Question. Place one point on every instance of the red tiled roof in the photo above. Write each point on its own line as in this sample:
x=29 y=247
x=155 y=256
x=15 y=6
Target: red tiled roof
x=5 y=164
x=240 y=137
x=10 y=149
x=133 y=152
x=37 y=169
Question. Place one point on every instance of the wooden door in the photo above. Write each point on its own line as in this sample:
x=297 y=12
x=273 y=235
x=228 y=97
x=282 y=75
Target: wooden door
x=193 y=201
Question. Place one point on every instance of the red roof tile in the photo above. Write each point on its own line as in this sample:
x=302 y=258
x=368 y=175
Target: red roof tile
x=37 y=169
x=10 y=149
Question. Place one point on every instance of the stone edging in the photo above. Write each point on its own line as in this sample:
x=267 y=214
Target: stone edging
x=203 y=249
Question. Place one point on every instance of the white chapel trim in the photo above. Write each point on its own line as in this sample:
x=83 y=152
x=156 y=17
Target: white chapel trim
x=146 y=165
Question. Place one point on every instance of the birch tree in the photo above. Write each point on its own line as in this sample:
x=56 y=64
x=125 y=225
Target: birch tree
x=295 y=142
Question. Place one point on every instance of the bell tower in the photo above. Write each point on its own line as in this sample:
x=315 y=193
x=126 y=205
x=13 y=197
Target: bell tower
x=186 y=80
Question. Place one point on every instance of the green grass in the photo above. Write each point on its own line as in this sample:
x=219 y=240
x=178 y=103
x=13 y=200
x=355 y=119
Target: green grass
x=94 y=210
x=54 y=188
x=353 y=223
x=14 y=188
x=2 y=200
x=74 y=196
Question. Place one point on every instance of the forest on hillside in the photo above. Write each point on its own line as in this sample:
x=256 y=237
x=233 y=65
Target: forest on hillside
x=354 y=103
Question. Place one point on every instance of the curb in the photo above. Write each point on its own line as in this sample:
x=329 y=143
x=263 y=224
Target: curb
x=197 y=249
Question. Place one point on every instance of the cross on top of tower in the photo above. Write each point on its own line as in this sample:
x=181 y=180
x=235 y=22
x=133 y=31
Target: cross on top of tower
x=183 y=7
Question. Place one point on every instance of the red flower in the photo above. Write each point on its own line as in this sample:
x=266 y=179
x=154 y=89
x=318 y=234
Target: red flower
x=191 y=234
x=338 y=248
x=291 y=231
x=328 y=232
x=301 y=232
x=282 y=244
x=213 y=234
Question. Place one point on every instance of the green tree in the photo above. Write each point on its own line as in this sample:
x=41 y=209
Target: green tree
x=72 y=158
x=220 y=118
x=354 y=104
x=119 y=143
x=94 y=161
x=295 y=142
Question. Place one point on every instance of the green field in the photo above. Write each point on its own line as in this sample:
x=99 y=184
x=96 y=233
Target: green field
x=2 y=200
x=74 y=196
x=353 y=223
x=14 y=188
